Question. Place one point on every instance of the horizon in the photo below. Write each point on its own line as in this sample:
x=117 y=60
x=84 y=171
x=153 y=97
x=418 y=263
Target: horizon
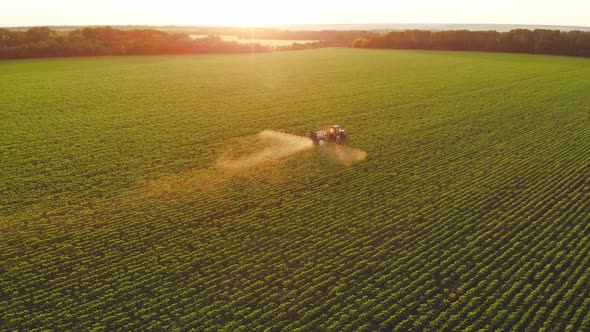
x=264 y=13
x=337 y=26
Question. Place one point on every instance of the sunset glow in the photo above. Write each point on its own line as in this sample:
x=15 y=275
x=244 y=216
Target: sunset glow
x=266 y=12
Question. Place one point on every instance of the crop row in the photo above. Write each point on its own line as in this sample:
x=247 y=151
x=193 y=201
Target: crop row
x=470 y=212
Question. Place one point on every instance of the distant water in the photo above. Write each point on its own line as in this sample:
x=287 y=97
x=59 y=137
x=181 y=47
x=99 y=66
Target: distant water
x=428 y=26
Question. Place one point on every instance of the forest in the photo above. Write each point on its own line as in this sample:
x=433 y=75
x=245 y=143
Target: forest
x=539 y=41
x=39 y=42
x=94 y=41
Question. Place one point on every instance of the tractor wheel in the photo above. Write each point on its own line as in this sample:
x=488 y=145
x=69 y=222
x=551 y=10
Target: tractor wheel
x=321 y=142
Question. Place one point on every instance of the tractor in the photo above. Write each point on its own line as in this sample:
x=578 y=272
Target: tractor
x=336 y=134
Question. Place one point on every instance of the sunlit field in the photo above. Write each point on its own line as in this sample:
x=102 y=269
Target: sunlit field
x=266 y=42
x=158 y=193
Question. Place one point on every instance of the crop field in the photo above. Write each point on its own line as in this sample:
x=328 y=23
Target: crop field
x=266 y=42
x=163 y=193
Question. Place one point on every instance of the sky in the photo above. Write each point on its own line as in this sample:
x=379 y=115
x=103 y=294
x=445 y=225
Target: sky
x=286 y=12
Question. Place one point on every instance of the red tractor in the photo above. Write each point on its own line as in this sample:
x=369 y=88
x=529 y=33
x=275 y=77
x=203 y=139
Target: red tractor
x=336 y=134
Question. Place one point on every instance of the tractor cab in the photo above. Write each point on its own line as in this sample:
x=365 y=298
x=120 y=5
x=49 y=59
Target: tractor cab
x=335 y=134
x=335 y=130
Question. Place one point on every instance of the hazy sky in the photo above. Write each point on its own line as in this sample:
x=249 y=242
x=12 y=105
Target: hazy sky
x=276 y=12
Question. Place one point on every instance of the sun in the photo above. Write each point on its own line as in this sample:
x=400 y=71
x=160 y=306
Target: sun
x=238 y=13
x=221 y=12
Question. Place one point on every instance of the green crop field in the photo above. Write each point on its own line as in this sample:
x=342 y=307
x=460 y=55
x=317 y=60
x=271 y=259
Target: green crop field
x=266 y=42
x=136 y=193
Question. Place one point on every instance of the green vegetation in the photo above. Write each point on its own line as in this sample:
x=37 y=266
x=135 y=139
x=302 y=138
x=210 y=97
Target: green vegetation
x=40 y=42
x=538 y=41
x=470 y=212
x=264 y=42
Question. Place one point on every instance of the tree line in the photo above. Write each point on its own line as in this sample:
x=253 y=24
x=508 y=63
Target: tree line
x=93 y=41
x=43 y=42
x=539 y=41
x=335 y=37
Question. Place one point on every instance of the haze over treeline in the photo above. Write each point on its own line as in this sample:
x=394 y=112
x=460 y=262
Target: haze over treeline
x=94 y=41
x=44 y=42
x=572 y=43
